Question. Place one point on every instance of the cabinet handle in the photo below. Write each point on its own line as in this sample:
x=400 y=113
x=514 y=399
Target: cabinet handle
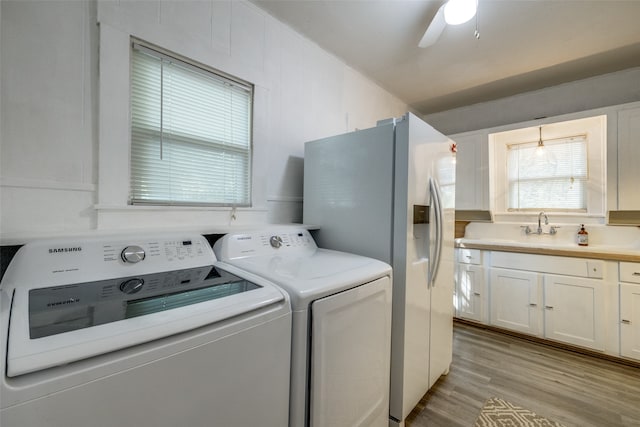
x=548 y=307
x=533 y=304
x=636 y=273
x=626 y=322
x=477 y=294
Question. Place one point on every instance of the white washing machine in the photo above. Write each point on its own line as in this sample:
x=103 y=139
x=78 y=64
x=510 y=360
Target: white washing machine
x=140 y=330
x=341 y=324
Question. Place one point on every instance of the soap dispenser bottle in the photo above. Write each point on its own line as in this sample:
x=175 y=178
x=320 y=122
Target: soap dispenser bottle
x=583 y=236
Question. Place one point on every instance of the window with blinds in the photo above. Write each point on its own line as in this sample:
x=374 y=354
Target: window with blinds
x=554 y=179
x=190 y=133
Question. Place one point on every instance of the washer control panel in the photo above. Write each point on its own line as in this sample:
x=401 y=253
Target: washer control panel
x=86 y=259
x=275 y=241
x=286 y=240
x=268 y=242
x=173 y=250
x=132 y=254
x=132 y=286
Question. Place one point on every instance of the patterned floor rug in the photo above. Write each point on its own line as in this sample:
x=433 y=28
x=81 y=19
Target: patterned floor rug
x=500 y=413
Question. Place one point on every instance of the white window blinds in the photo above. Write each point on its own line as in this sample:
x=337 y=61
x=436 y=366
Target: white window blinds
x=190 y=134
x=555 y=179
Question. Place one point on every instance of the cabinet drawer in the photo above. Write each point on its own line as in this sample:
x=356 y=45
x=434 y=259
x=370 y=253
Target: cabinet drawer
x=630 y=272
x=580 y=267
x=469 y=256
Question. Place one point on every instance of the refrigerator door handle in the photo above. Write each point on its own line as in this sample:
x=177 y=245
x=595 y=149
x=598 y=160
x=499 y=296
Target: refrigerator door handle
x=432 y=248
x=437 y=204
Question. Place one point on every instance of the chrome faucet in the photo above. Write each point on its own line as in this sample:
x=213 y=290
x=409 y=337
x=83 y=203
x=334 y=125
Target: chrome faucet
x=546 y=221
x=553 y=230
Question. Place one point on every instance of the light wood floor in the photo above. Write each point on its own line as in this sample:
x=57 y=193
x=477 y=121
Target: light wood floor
x=570 y=388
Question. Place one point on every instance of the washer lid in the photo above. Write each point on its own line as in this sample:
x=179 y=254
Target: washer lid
x=55 y=325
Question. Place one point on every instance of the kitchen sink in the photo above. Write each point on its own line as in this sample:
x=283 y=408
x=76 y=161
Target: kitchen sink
x=601 y=237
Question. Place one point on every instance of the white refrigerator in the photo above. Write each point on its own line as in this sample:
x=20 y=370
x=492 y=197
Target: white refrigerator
x=388 y=192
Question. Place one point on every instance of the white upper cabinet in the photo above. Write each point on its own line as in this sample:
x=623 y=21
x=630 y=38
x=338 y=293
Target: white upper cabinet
x=472 y=170
x=614 y=159
x=628 y=159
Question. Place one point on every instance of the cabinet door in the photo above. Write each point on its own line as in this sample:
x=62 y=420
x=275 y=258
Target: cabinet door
x=574 y=311
x=470 y=292
x=472 y=171
x=630 y=320
x=628 y=159
x=515 y=300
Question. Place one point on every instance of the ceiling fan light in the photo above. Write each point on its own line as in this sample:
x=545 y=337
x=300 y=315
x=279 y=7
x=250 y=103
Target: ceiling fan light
x=458 y=12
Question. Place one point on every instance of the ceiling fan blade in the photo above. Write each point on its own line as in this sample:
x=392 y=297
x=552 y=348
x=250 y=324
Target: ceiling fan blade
x=434 y=29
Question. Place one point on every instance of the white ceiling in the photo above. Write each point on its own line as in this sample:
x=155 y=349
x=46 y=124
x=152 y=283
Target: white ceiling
x=524 y=44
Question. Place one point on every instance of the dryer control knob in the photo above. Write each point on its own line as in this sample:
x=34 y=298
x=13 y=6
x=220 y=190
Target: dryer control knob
x=131 y=286
x=276 y=241
x=132 y=254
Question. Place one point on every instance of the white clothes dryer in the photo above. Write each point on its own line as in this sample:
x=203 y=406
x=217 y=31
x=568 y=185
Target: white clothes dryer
x=140 y=330
x=341 y=337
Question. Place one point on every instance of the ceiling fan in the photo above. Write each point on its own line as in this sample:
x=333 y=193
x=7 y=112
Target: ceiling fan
x=452 y=12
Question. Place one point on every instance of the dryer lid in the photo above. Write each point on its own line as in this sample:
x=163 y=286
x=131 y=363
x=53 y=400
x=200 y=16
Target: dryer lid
x=298 y=266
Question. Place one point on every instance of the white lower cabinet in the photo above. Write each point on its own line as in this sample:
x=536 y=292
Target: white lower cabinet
x=574 y=311
x=515 y=300
x=630 y=320
x=589 y=303
x=558 y=298
x=471 y=293
x=561 y=308
x=630 y=313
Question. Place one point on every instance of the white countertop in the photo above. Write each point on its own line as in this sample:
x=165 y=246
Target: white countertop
x=598 y=252
x=606 y=242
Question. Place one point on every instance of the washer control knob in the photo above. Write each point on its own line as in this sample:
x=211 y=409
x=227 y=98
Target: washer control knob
x=131 y=286
x=132 y=254
x=276 y=241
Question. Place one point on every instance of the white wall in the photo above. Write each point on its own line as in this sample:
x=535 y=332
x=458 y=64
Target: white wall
x=47 y=135
x=581 y=95
x=64 y=111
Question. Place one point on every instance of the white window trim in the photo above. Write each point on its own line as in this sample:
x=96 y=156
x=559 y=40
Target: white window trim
x=596 y=130
x=214 y=75
x=114 y=146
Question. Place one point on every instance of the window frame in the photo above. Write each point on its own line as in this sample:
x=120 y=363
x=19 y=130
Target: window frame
x=195 y=66
x=548 y=143
x=594 y=127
